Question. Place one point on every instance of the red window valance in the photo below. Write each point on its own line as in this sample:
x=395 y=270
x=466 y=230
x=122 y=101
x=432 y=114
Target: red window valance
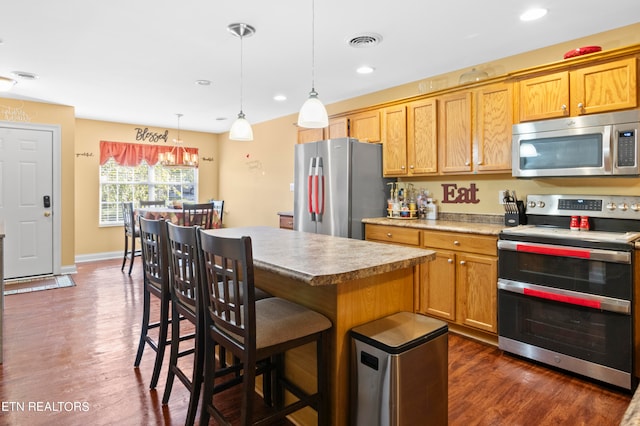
x=132 y=154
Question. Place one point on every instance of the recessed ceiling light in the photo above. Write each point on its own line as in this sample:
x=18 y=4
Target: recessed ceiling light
x=533 y=14
x=203 y=82
x=365 y=69
x=279 y=98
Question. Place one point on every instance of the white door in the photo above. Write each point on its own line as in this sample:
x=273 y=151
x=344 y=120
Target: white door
x=26 y=180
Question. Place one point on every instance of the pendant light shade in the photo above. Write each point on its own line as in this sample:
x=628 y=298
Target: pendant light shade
x=313 y=114
x=241 y=128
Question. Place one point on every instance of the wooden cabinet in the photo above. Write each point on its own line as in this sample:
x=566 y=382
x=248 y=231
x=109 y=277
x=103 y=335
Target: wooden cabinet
x=393 y=234
x=409 y=139
x=286 y=220
x=493 y=133
x=591 y=89
x=310 y=135
x=455 y=132
x=365 y=126
x=338 y=128
x=460 y=284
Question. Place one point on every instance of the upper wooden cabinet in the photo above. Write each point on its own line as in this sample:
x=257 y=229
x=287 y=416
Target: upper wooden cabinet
x=394 y=141
x=310 y=135
x=338 y=128
x=365 y=126
x=455 y=132
x=592 y=89
x=494 y=118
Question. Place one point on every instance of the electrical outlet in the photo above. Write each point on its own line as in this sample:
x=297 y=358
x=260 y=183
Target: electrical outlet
x=501 y=195
x=291 y=187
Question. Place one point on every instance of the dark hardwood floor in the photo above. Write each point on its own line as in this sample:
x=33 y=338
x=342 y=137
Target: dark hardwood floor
x=69 y=353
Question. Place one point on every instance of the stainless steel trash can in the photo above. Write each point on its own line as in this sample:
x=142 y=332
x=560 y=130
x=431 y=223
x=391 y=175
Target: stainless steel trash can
x=399 y=371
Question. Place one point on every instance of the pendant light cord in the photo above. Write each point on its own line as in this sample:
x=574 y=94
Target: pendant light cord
x=313 y=46
x=241 y=66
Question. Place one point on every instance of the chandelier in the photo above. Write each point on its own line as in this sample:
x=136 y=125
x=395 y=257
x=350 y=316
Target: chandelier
x=178 y=156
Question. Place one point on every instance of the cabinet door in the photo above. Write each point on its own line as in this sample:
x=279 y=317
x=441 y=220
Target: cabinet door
x=455 y=132
x=338 y=128
x=394 y=141
x=544 y=97
x=438 y=286
x=422 y=137
x=310 y=135
x=494 y=123
x=477 y=291
x=365 y=126
x=605 y=87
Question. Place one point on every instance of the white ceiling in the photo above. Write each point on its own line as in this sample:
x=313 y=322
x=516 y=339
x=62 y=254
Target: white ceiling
x=136 y=61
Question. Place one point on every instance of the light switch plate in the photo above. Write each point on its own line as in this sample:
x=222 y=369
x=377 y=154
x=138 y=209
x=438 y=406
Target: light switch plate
x=291 y=187
x=501 y=196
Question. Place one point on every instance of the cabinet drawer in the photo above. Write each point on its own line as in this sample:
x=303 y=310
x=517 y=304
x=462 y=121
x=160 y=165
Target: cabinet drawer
x=286 y=222
x=393 y=234
x=481 y=244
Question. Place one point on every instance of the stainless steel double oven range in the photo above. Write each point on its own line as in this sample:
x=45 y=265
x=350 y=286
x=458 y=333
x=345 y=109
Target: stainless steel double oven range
x=565 y=297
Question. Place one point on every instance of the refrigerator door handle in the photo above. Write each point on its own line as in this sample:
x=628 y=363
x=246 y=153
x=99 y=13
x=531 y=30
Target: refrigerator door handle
x=320 y=189
x=312 y=166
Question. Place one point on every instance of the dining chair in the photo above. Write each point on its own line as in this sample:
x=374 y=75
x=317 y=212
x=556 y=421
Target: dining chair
x=130 y=233
x=254 y=330
x=199 y=214
x=153 y=239
x=153 y=203
x=184 y=273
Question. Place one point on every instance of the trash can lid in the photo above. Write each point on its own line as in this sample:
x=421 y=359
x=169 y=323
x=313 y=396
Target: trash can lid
x=399 y=332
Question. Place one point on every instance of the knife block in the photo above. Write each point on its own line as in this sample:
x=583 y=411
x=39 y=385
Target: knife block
x=515 y=219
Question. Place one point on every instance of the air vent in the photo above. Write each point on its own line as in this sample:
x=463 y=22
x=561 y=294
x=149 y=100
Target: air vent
x=24 y=75
x=365 y=40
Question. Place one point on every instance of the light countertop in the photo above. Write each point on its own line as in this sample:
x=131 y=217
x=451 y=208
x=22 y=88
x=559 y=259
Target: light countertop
x=440 y=225
x=317 y=259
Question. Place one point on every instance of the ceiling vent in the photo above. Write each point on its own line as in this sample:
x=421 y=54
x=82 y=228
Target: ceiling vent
x=365 y=40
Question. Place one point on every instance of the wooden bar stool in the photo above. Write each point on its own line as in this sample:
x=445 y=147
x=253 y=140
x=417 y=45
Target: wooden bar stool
x=255 y=330
x=153 y=239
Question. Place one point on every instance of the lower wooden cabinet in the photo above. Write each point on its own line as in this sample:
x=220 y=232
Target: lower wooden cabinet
x=461 y=286
x=286 y=221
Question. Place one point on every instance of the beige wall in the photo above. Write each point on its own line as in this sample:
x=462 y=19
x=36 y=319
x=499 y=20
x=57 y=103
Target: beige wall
x=254 y=196
x=64 y=116
x=91 y=238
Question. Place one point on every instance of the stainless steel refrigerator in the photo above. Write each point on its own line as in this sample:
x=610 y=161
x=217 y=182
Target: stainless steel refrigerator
x=338 y=182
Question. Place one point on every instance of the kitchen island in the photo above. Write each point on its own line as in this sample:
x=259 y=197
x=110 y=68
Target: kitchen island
x=350 y=281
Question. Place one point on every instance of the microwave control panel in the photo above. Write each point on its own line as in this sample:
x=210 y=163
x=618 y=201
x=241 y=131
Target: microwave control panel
x=626 y=148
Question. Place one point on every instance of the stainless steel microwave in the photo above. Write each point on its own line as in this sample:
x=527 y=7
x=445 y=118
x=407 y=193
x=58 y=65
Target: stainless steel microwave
x=589 y=145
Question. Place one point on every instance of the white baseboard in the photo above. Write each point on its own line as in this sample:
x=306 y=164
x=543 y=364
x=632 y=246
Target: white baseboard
x=98 y=256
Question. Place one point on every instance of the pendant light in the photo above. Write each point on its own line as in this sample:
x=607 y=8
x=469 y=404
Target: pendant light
x=313 y=114
x=6 y=84
x=241 y=128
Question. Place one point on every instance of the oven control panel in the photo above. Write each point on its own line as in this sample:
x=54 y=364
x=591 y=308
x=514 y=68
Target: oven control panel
x=607 y=206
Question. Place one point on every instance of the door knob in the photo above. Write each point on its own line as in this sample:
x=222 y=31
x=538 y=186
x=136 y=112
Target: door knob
x=47 y=213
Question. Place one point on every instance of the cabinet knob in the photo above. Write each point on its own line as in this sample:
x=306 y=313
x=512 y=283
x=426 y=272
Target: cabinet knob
x=402 y=167
x=456 y=243
x=462 y=262
x=564 y=107
x=450 y=260
x=411 y=167
x=479 y=163
x=466 y=163
x=389 y=234
x=581 y=107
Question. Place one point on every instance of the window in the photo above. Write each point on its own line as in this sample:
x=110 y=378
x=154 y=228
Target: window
x=120 y=184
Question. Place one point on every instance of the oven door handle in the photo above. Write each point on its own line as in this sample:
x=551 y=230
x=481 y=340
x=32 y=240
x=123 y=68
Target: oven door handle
x=612 y=256
x=566 y=296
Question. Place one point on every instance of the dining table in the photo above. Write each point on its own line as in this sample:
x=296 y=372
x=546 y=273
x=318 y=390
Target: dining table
x=170 y=214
